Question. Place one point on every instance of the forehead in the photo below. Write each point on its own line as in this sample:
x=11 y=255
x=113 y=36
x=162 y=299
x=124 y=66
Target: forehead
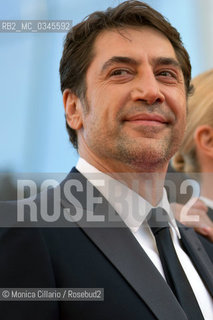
x=132 y=41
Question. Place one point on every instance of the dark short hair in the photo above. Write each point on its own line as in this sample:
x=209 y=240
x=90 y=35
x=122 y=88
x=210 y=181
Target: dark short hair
x=78 y=46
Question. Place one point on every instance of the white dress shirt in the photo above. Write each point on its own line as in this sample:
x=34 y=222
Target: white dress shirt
x=133 y=210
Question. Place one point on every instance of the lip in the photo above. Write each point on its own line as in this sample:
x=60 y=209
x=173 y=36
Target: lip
x=152 y=118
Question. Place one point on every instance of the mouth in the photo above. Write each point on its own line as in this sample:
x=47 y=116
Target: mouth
x=147 y=120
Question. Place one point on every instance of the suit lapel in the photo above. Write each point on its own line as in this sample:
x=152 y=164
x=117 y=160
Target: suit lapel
x=118 y=244
x=198 y=255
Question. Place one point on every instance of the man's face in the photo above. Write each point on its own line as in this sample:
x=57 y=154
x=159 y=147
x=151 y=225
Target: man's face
x=135 y=101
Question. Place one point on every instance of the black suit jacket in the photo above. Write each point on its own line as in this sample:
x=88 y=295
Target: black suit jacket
x=89 y=255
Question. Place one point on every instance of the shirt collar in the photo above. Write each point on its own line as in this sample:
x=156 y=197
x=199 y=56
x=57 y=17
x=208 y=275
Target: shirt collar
x=132 y=208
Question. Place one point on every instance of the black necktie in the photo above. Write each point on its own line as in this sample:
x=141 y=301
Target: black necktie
x=175 y=276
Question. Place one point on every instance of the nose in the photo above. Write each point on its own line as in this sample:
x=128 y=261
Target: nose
x=147 y=89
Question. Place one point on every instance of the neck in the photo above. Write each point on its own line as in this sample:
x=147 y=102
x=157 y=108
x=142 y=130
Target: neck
x=147 y=185
x=206 y=185
x=146 y=181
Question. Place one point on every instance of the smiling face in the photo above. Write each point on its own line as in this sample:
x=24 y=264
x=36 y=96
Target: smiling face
x=134 y=113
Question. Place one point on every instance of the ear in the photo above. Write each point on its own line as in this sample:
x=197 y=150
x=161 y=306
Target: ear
x=73 y=109
x=204 y=139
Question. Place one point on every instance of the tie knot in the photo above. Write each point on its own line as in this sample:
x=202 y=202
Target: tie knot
x=158 y=219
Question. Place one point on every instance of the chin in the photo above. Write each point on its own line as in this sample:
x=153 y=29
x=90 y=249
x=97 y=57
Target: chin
x=148 y=154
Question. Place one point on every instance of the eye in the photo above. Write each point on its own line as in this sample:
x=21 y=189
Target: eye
x=167 y=73
x=119 y=72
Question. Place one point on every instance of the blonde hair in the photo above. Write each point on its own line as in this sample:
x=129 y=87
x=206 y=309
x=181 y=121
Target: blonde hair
x=200 y=112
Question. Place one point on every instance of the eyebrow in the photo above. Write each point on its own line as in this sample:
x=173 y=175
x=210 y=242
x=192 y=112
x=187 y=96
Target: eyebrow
x=167 y=61
x=118 y=59
x=156 y=61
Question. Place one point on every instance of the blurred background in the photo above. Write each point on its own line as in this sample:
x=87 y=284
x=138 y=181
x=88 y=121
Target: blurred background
x=33 y=137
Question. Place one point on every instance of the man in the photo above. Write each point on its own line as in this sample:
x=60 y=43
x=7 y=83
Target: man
x=125 y=77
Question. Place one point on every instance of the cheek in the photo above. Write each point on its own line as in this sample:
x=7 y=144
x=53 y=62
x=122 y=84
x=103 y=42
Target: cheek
x=107 y=102
x=104 y=108
x=177 y=103
x=181 y=112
